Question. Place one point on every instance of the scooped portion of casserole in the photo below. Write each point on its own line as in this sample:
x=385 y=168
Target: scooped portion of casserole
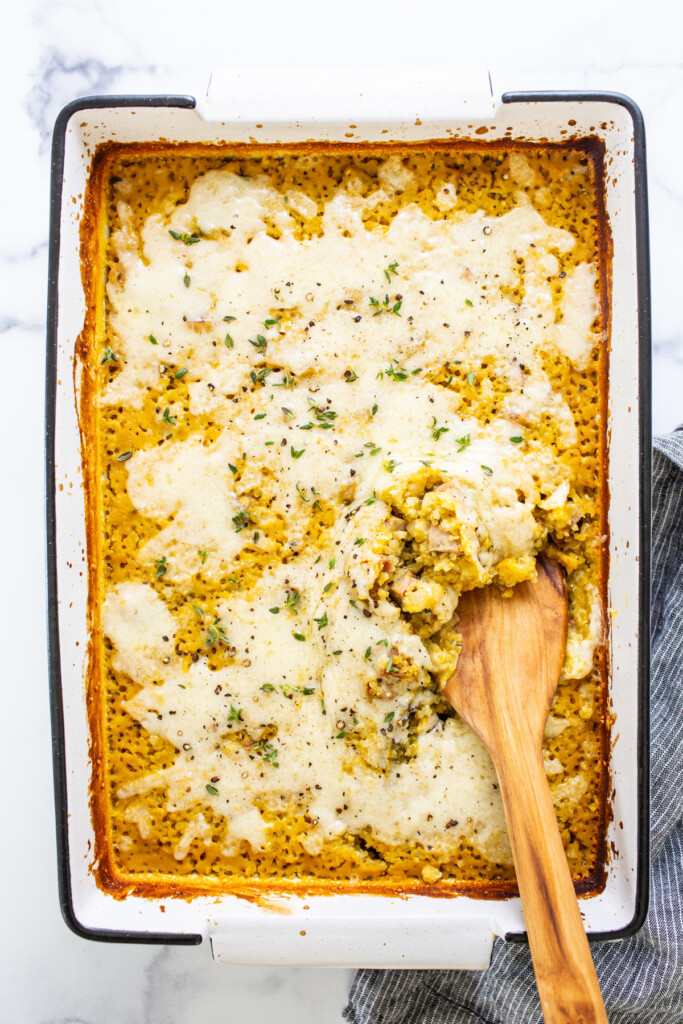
x=336 y=390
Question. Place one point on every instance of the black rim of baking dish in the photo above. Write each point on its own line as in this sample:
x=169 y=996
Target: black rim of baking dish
x=645 y=484
x=54 y=662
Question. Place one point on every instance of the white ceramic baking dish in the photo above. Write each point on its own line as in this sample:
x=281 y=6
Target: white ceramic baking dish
x=293 y=106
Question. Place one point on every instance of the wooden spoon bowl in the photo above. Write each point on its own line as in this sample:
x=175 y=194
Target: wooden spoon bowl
x=512 y=654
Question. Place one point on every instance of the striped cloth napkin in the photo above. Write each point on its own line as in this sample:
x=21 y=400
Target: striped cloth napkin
x=641 y=978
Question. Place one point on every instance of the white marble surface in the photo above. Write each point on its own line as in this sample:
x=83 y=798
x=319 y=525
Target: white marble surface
x=56 y=51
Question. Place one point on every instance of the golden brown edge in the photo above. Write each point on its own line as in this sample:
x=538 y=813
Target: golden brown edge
x=108 y=878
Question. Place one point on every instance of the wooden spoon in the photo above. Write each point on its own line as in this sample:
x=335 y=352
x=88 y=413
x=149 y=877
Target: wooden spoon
x=512 y=654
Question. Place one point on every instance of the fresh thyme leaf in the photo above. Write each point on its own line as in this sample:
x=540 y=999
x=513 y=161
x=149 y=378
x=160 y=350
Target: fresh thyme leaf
x=180 y=373
x=198 y=610
x=167 y=418
x=468 y=303
x=233 y=469
x=340 y=736
x=389 y=716
x=463 y=442
x=186 y=280
x=241 y=520
x=350 y=376
x=391 y=269
x=375 y=408
x=229 y=319
x=216 y=634
x=359 y=542
x=286 y=382
x=260 y=416
x=288 y=414
x=516 y=440
x=268 y=687
x=296 y=454
x=270 y=322
x=161 y=565
x=372 y=499
x=383 y=642
x=153 y=339
x=182 y=236
x=438 y=431
x=235 y=714
x=261 y=343
x=301 y=493
x=298 y=636
x=327 y=587
x=211 y=789
x=274 y=611
x=471 y=377
x=124 y=456
x=487 y=470
x=333 y=562
x=292 y=599
x=322 y=621
x=203 y=555
x=367 y=654
x=261 y=375
x=108 y=356
x=267 y=752
x=229 y=343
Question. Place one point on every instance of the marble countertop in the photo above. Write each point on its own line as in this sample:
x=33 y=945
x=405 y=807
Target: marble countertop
x=56 y=52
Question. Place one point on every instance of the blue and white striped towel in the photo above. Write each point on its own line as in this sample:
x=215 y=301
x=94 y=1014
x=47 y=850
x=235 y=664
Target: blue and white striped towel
x=642 y=977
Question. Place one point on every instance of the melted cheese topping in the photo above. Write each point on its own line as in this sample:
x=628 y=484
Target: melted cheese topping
x=316 y=355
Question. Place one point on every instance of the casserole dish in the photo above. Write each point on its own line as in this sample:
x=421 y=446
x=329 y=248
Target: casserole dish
x=336 y=929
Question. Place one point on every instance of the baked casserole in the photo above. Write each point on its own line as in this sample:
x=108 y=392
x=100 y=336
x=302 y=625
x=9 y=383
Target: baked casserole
x=327 y=391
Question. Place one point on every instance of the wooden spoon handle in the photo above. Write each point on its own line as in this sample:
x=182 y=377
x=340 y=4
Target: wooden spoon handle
x=567 y=983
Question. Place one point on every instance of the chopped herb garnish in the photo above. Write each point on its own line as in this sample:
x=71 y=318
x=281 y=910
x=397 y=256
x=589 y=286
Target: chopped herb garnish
x=274 y=611
x=468 y=303
x=375 y=408
x=516 y=440
x=333 y=562
x=383 y=642
x=167 y=418
x=471 y=377
x=186 y=280
x=296 y=454
x=463 y=442
x=359 y=542
x=391 y=269
x=216 y=634
x=161 y=565
x=367 y=654
x=182 y=236
x=261 y=344
x=198 y=611
x=180 y=373
x=203 y=555
x=270 y=322
x=327 y=587
x=261 y=375
x=260 y=416
x=233 y=469
x=350 y=376
x=385 y=306
x=487 y=470
x=372 y=499
x=268 y=687
x=286 y=382
x=292 y=599
x=340 y=736
x=124 y=456
x=438 y=431
x=229 y=343
x=288 y=414
x=108 y=356
x=229 y=319
x=211 y=789
x=322 y=621
x=298 y=636
x=389 y=716
x=241 y=520
x=301 y=493
x=267 y=752
x=390 y=465
x=398 y=372
x=153 y=339
x=235 y=714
